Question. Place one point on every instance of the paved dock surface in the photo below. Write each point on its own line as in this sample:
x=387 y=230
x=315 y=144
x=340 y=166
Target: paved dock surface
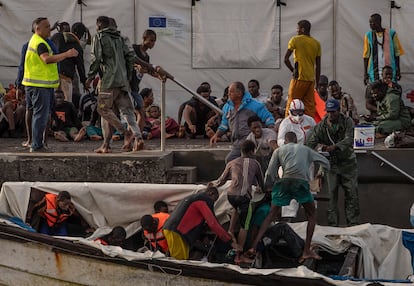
x=14 y=145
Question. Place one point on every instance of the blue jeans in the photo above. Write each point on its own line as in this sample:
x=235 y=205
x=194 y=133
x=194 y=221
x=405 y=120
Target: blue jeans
x=138 y=101
x=60 y=230
x=40 y=98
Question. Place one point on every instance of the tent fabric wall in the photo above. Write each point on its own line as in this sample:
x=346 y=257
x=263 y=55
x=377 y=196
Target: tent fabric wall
x=233 y=36
x=339 y=25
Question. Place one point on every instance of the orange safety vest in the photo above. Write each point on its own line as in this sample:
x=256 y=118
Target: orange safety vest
x=51 y=214
x=320 y=111
x=158 y=238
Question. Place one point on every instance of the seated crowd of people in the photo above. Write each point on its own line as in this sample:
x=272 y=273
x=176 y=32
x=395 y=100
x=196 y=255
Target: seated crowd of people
x=78 y=119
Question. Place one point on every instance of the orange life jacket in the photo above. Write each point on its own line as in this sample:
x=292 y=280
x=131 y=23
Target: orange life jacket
x=158 y=238
x=101 y=241
x=320 y=111
x=51 y=214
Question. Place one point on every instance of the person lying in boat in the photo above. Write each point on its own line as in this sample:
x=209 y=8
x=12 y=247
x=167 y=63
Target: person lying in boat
x=116 y=237
x=280 y=243
x=52 y=214
x=152 y=226
x=186 y=223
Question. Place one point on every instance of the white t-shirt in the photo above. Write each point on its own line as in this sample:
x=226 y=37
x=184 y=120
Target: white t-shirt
x=263 y=147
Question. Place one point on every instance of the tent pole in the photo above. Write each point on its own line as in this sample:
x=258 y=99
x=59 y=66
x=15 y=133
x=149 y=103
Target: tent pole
x=163 y=116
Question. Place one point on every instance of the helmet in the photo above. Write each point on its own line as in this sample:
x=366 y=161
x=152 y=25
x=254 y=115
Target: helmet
x=296 y=110
x=297 y=104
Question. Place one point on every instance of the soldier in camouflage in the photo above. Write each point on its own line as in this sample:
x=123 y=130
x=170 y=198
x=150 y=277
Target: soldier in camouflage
x=335 y=135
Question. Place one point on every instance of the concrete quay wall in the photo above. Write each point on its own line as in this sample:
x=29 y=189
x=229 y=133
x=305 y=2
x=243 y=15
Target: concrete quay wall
x=70 y=167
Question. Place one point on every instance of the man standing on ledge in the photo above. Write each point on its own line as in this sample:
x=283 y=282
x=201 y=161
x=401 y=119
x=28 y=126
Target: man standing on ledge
x=381 y=48
x=112 y=57
x=41 y=77
x=307 y=67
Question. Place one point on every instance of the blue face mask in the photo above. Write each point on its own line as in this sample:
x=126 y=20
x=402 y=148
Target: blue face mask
x=412 y=220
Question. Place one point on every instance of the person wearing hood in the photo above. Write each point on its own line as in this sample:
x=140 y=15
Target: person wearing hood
x=297 y=122
x=236 y=112
x=113 y=60
x=65 y=40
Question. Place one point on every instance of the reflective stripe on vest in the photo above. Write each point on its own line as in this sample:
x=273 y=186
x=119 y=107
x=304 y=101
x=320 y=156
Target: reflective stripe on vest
x=36 y=72
x=158 y=238
x=51 y=213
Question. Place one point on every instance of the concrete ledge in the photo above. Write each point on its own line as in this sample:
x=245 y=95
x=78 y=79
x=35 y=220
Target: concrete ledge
x=182 y=175
x=143 y=167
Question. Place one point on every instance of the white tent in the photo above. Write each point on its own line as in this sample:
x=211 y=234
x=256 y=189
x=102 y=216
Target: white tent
x=223 y=41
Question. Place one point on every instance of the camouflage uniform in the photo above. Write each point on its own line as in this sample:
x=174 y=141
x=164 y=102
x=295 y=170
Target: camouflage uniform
x=343 y=173
x=392 y=113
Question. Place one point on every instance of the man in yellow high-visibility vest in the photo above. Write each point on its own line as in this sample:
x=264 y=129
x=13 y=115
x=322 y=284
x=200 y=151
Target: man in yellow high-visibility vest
x=41 y=78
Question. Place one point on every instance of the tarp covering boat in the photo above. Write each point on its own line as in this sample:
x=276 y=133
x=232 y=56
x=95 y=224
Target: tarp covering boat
x=106 y=205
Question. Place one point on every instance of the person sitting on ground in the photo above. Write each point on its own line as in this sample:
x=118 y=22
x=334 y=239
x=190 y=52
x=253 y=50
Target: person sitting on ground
x=222 y=101
x=12 y=113
x=244 y=173
x=387 y=78
x=148 y=99
x=276 y=104
x=89 y=116
x=265 y=140
x=197 y=115
x=295 y=160
x=322 y=88
x=160 y=207
x=254 y=89
x=152 y=226
x=65 y=122
x=392 y=114
x=187 y=221
x=154 y=117
x=116 y=237
x=347 y=103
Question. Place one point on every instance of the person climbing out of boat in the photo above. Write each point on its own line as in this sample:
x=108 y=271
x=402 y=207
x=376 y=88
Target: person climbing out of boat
x=295 y=160
x=244 y=172
x=116 y=237
x=55 y=210
x=152 y=226
x=186 y=223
